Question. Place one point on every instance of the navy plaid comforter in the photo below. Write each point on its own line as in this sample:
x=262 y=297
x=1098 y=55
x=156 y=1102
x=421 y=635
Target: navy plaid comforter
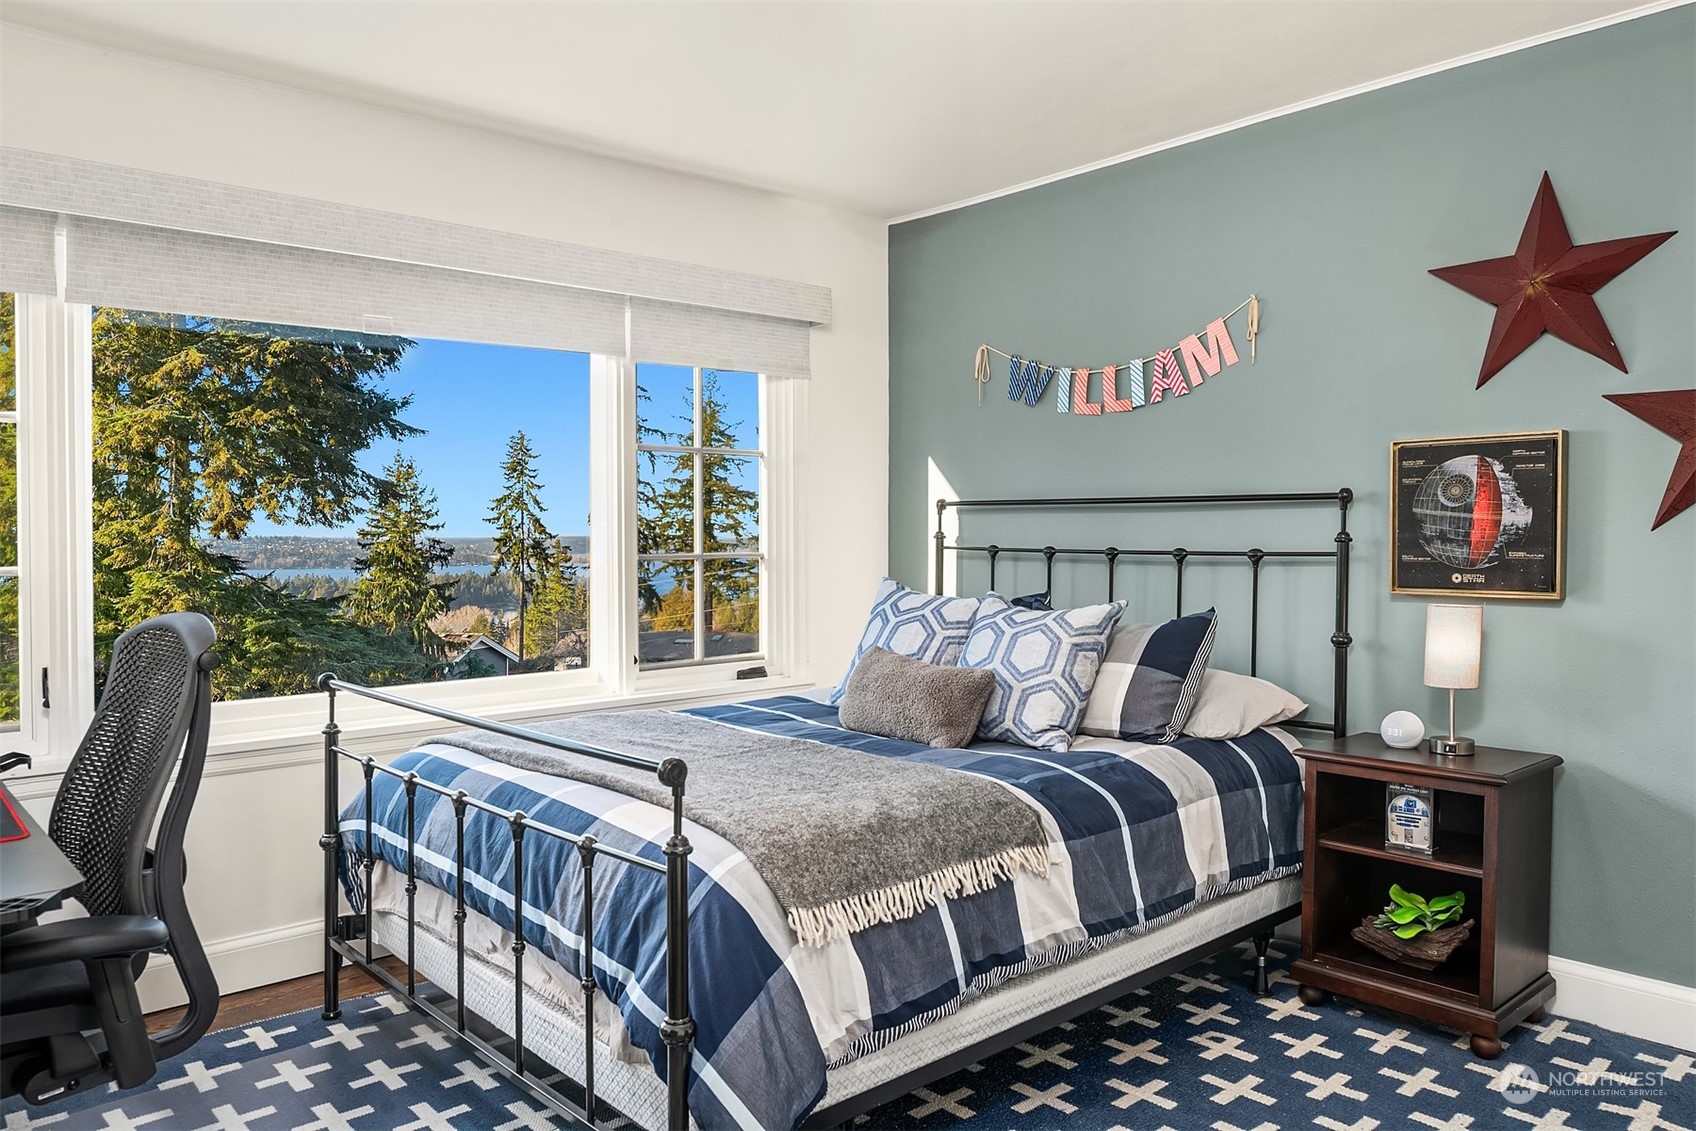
x=1137 y=833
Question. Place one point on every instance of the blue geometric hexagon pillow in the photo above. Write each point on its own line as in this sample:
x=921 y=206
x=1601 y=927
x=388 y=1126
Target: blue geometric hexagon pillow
x=920 y=626
x=1045 y=663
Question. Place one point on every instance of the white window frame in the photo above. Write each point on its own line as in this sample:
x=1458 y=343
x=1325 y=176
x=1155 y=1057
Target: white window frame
x=55 y=454
x=695 y=557
x=55 y=501
x=21 y=737
x=782 y=404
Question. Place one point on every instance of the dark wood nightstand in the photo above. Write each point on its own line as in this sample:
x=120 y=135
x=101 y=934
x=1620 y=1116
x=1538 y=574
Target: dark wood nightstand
x=1493 y=823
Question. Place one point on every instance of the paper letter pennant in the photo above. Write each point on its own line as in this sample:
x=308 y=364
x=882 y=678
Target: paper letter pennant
x=1204 y=363
x=1039 y=384
x=1165 y=377
x=1027 y=380
x=1110 y=391
x=1135 y=370
x=1016 y=378
x=1080 y=395
x=1133 y=384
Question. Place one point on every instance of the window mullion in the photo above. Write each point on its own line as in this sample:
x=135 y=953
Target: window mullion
x=612 y=521
x=56 y=452
x=700 y=570
x=75 y=543
x=782 y=571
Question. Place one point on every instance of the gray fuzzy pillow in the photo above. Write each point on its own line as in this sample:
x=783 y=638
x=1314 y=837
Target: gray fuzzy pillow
x=892 y=696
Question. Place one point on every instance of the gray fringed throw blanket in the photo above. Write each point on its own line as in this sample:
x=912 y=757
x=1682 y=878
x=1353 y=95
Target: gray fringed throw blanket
x=845 y=840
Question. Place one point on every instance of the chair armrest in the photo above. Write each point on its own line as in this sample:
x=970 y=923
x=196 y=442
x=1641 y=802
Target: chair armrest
x=13 y=760
x=81 y=940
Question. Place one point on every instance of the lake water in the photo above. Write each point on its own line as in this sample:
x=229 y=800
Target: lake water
x=340 y=572
x=663 y=584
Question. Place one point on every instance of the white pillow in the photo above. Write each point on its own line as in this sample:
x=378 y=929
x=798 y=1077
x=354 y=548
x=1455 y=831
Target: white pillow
x=1231 y=705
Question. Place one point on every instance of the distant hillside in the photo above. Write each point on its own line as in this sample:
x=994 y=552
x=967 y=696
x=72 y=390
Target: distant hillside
x=295 y=551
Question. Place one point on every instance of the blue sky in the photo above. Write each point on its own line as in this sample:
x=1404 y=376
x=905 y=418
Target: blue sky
x=469 y=398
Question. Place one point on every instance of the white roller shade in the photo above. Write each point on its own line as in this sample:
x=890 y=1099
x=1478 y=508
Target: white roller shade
x=26 y=251
x=152 y=241
x=691 y=335
x=157 y=269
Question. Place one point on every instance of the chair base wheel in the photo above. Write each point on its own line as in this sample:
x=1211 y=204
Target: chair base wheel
x=1313 y=995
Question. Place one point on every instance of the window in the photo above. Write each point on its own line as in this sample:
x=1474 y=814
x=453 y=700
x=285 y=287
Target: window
x=699 y=467
x=11 y=651
x=407 y=503
x=396 y=510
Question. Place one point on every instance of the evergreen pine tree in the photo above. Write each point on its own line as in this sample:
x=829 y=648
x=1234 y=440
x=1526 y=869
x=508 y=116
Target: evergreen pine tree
x=11 y=699
x=730 y=522
x=523 y=544
x=202 y=426
x=557 y=620
x=395 y=592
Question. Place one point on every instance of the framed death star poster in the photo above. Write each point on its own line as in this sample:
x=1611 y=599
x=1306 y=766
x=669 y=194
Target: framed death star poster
x=1479 y=515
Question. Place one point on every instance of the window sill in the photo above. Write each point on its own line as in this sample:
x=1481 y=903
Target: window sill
x=277 y=733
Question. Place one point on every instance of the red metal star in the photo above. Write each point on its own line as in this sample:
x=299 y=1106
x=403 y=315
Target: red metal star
x=1674 y=413
x=1546 y=284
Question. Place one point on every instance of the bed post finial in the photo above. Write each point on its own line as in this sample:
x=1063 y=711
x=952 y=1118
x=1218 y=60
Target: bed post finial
x=941 y=509
x=1340 y=638
x=673 y=774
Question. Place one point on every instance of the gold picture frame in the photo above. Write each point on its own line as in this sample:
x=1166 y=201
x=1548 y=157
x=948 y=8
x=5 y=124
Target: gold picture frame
x=1493 y=528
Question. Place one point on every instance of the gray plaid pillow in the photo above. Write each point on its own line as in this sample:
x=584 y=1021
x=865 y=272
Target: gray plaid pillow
x=1150 y=679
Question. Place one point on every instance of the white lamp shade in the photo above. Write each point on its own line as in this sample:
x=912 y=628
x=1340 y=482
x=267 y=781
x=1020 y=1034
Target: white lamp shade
x=1454 y=637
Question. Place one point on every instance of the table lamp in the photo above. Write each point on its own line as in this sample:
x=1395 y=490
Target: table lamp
x=1453 y=640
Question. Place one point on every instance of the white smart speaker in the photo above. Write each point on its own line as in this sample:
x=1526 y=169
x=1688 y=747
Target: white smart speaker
x=1401 y=729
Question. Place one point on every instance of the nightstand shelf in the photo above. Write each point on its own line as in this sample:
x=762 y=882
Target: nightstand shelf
x=1461 y=853
x=1343 y=952
x=1493 y=816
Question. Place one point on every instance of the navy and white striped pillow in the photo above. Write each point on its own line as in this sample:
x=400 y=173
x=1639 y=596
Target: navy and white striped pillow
x=1150 y=678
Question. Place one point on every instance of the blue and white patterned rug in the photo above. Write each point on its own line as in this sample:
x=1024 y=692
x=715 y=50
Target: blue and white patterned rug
x=1195 y=1051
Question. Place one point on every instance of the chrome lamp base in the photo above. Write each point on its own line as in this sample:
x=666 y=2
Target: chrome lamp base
x=1451 y=747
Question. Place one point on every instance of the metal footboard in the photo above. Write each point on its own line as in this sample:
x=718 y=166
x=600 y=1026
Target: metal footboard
x=342 y=933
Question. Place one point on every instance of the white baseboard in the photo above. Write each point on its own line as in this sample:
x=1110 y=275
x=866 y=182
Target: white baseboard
x=1626 y=1003
x=241 y=962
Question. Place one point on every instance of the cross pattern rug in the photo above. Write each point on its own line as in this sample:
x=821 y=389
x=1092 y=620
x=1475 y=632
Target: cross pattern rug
x=1195 y=1051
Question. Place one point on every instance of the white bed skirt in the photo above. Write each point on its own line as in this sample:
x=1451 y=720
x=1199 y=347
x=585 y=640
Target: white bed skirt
x=553 y=1018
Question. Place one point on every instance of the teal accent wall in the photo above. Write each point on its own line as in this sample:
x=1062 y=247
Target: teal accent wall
x=1334 y=216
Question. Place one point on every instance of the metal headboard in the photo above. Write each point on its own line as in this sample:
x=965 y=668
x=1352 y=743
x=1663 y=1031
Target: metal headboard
x=1255 y=557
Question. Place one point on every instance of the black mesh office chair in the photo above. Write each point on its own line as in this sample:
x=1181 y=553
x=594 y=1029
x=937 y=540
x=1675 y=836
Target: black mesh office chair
x=69 y=1016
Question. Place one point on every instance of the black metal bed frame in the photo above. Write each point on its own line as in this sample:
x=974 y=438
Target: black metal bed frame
x=1254 y=556
x=342 y=932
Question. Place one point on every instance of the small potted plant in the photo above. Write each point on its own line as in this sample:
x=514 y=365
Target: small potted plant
x=1415 y=931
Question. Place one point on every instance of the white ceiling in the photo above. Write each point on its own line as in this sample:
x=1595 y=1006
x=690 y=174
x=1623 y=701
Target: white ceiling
x=891 y=108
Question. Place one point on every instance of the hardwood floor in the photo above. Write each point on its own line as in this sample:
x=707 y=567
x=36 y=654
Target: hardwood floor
x=283 y=997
